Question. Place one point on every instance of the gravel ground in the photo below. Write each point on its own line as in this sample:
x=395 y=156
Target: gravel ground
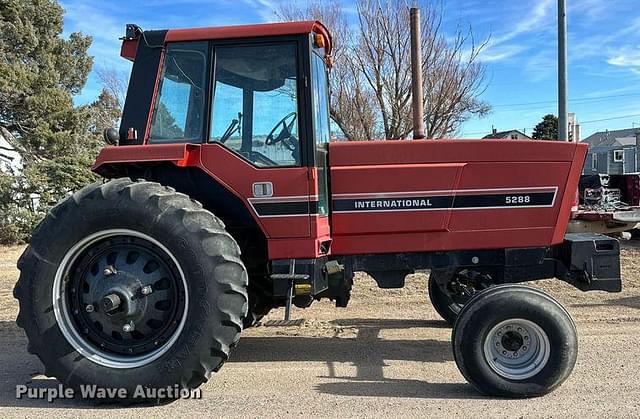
x=387 y=354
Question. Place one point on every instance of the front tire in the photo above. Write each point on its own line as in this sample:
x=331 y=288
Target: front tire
x=514 y=341
x=131 y=285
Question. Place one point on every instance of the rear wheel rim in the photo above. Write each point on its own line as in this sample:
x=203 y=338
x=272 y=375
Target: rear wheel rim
x=141 y=278
x=516 y=349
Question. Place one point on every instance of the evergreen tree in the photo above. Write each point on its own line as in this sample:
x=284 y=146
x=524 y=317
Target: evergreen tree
x=40 y=72
x=547 y=129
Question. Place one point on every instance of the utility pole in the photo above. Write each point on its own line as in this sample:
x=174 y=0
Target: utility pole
x=563 y=124
x=416 y=74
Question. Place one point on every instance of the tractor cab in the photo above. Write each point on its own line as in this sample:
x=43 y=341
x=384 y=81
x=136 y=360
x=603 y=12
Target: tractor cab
x=252 y=103
x=258 y=95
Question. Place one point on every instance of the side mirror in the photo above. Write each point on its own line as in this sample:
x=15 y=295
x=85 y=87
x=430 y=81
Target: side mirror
x=111 y=136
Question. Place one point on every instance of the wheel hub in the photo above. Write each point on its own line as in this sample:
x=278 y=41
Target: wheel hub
x=512 y=341
x=118 y=295
x=516 y=349
x=110 y=303
x=124 y=299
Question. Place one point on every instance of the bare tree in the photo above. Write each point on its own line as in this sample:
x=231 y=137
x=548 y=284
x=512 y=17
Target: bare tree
x=454 y=80
x=352 y=106
x=371 y=78
x=115 y=82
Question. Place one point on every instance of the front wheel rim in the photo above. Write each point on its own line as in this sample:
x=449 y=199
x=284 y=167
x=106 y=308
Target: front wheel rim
x=517 y=349
x=75 y=320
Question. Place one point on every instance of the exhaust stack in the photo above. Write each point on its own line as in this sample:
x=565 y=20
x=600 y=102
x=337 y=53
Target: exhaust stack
x=416 y=74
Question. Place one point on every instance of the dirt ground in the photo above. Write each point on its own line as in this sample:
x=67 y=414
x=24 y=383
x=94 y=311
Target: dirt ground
x=387 y=354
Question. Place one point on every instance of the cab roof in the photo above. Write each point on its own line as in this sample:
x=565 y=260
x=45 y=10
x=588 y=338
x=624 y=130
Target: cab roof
x=252 y=31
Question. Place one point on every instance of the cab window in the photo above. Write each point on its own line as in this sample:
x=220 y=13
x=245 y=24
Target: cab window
x=321 y=128
x=320 y=101
x=255 y=103
x=179 y=108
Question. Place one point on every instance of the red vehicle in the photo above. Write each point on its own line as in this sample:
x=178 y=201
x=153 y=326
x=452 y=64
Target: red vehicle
x=246 y=205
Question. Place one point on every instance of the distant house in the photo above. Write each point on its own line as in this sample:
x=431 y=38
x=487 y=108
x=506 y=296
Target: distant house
x=613 y=152
x=513 y=134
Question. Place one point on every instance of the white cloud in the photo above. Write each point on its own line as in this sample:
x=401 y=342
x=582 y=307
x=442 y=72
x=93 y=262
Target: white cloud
x=626 y=57
x=591 y=10
x=535 y=19
x=501 y=52
x=266 y=9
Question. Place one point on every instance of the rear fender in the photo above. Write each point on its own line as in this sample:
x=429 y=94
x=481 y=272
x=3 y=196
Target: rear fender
x=112 y=158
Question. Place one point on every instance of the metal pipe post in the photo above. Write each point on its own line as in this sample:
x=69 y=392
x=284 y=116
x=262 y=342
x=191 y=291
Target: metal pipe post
x=416 y=74
x=563 y=124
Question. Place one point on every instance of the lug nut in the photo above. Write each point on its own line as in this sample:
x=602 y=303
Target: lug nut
x=128 y=327
x=89 y=308
x=110 y=270
x=146 y=290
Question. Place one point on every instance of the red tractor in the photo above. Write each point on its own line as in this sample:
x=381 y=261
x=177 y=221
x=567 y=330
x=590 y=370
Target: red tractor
x=223 y=198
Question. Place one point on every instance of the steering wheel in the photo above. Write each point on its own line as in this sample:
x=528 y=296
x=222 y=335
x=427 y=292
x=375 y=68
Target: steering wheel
x=285 y=132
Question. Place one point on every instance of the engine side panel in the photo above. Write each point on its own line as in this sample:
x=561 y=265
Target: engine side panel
x=417 y=196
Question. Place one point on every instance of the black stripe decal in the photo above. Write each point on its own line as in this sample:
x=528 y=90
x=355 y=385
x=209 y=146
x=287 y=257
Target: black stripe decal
x=266 y=209
x=502 y=200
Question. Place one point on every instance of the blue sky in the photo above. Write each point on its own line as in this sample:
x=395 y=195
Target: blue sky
x=604 y=51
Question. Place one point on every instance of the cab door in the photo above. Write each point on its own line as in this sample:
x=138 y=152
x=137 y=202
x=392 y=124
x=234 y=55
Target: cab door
x=255 y=139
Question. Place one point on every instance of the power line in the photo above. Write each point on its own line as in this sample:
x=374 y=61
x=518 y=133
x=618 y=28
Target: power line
x=583 y=99
x=609 y=119
x=580 y=123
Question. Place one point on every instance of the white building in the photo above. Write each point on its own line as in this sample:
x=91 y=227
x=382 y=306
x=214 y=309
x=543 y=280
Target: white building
x=574 y=128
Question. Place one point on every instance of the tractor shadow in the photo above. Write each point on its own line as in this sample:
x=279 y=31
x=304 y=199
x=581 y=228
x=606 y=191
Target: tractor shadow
x=368 y=352
x=18 y=367
x=630 y=302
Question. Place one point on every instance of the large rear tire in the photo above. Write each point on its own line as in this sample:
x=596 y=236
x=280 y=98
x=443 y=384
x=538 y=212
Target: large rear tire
x=131 y=285
x=514 y=341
